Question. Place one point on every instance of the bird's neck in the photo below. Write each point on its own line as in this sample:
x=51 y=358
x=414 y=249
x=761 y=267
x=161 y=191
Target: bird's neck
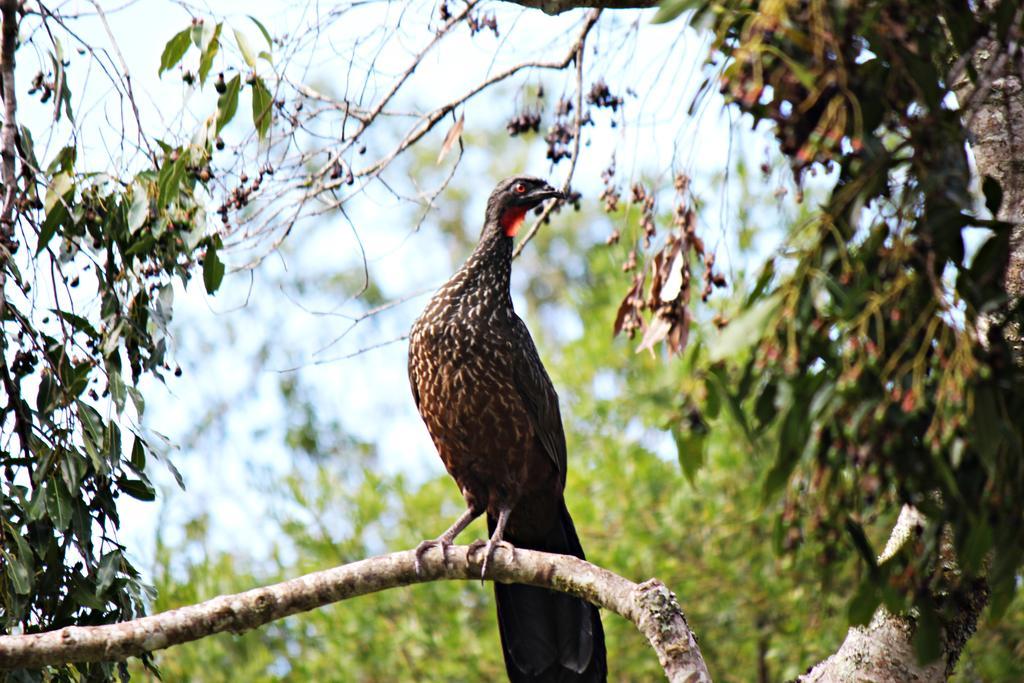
x=488 y=269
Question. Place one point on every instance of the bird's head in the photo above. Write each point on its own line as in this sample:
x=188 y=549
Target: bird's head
x=512 y=198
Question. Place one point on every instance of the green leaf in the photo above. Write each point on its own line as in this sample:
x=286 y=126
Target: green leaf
x=138 y=460
x=118 y=390
x=58 y=504
x=993 y=194
x=926 y=634
x=717 y=383
x=670 y=9
x=28 y=147
x=243 y=45
x=138 y=212
x=85 y=597
x=213 y=270
x=58 y=188
x=979 y=541
x=792 y=442
x=141 y=245
x=94 y=453
x=91 y=420
x=691 y=447
x=110 y=563
x=77 y=322
x=20 y=572
x=72 y=469
x=138 y=489
x=261 y=107
x=861 y=543
x=48 y=229
x=764 y=406
x=196 y=33
x=763 y=281
x=744 y=331
x=60 y=81
x=138 y=400
x=227 y=103
x=864 y=603
x=46 y=394
x=210 y=49
x=169 y=179
x=37 y=505
x=263 y=30
x=174 y=50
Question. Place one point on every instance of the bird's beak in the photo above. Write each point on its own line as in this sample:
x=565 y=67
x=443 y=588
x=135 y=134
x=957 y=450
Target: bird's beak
x=545 y=192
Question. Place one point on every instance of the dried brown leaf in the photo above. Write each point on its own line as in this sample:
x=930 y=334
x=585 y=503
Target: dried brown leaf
x=658 y=330
x=453 y=135
x=674 y=282
x=631 y=305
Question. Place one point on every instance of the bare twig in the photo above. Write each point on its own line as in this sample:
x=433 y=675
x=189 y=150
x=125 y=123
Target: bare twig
x=592 y=18
x=428 y=122
x=649 y=605
x=127 y=80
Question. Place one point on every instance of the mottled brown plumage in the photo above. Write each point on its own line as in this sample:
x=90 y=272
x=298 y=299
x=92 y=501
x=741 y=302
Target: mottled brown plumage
x=493 y=415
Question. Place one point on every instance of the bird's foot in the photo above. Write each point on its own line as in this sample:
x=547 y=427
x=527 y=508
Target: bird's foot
x=423 y=547
x=490 y=546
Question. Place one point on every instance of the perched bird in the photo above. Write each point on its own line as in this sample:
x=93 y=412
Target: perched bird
x=493 y=415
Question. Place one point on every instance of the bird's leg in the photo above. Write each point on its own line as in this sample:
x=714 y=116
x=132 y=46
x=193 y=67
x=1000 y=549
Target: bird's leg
x=495 y=541
x=444 y=541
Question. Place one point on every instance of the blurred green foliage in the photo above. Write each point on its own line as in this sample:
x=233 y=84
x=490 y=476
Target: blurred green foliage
x=760 y=614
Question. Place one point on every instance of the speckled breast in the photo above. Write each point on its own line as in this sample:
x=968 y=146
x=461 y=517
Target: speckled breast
x=459 y=367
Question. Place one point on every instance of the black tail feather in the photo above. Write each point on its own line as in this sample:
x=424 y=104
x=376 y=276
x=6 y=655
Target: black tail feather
x=545 y=635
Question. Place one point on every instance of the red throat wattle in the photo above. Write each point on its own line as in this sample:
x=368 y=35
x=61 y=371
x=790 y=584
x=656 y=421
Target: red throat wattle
x=512 y=219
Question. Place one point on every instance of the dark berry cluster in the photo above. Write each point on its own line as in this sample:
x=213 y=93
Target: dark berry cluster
x=240 y=196
x=478 y=22
x=528 y=121
x=600 y=96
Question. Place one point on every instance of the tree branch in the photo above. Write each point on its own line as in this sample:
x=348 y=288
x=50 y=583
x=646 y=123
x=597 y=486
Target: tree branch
x=9 y=133
x=649 y=605
x=8 y=141
x=559 y=6
x=881 y=650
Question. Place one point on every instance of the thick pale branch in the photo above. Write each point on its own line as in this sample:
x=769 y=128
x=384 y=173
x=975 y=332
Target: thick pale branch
x=9 y=133
x=559 y=6
x=881 y=650
x=649 y=605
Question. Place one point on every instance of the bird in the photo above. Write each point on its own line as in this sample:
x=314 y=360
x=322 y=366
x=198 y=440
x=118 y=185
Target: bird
x=493 y=415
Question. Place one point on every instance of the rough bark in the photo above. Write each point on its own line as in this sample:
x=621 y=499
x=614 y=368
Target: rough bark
x=881 y=651
x=994 y=111
x=9 y=132
x=649 y=605
x=8 y=140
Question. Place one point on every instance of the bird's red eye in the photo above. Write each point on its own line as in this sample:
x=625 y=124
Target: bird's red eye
x=519 y=188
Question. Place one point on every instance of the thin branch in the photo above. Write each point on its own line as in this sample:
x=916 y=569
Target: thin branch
x=428 y=122
x=649 y=605
x=127 y=79
x=592 y=18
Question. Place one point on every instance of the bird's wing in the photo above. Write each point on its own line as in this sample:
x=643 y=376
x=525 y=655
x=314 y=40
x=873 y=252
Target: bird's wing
x=412 y=380
x=539 y=397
